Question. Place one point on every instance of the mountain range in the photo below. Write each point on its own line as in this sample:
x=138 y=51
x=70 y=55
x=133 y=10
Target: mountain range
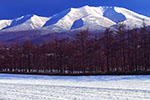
x=71 y=19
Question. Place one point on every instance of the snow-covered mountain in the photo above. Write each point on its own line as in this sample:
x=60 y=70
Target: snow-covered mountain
x=5 y=23
x=93 y=18
x=27 y=22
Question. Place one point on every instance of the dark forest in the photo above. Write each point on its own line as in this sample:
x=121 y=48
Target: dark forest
x=112 y=52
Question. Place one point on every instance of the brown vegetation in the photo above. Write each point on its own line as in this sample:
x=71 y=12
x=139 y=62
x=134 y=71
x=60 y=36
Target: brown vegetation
x=123 y=51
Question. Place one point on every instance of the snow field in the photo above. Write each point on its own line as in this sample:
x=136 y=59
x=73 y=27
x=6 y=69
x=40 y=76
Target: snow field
x=30 y=87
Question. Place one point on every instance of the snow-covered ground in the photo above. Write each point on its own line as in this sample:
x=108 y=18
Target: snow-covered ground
x=32 y=87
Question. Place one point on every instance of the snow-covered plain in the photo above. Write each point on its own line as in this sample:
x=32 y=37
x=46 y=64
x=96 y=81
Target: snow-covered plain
x=32 y=87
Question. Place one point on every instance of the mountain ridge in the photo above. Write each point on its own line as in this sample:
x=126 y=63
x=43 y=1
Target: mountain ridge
x=72 y=19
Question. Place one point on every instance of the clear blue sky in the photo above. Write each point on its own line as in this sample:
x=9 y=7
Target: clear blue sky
x=16 y=8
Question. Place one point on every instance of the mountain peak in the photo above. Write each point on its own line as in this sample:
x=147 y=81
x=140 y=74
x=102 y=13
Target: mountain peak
x=27 y=22
x=91 y=17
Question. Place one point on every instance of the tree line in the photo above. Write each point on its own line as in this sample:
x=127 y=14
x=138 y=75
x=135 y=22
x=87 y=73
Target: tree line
x=120 y=51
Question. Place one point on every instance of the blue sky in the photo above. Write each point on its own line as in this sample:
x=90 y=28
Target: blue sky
x=15 y=8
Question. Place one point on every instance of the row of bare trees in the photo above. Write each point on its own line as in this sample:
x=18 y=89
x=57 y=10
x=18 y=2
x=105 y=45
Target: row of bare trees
x=120 y=51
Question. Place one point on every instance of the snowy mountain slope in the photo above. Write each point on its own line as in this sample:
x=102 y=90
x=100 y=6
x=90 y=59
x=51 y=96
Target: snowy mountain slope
x=113 y=15
x=133 y=19
x=27 y=22
x=72 y=19
x=95 y=18
x=5 y=23
x=82 y=18
x=33 y=27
